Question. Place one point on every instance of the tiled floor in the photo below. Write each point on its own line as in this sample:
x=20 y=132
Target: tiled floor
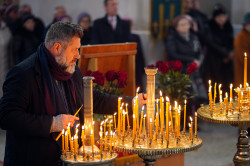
x=219 y=145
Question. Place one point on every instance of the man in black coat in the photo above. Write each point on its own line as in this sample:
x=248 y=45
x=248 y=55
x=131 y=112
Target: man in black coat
x=111 y=28
x=40 y=96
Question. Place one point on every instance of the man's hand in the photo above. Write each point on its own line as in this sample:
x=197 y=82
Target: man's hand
x=142 y=99
x=61 y=122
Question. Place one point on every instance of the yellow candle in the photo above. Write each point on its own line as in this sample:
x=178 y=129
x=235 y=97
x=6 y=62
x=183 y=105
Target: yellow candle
x=115 y=119
x=157 y=106
x=93 y=127
x=226 y=102
x=150 y=130
x=220 y=89
x=144 y=130
x=110 y=124
x=69 y=133
x=124 y=113
x=215 y=91
x=179 y=120
x=119 y=118
x=66 y=141
x=76 y=129
x=185 y=109
x=137 y=114
x=134 y=126
x=238 y=90
x=156 y=124
x=190 y=130
x=171 y=118
x=230 y=104
x=191 y=119
x=71 y=145
x=63 y=141
x=101 y=142
x=113 y=140
x=231 y=90
x=137 y=90
x=92 y=140
x=76 y=144
x=220 y=102
x=195 y=133
x=167 y=119
x=110 y=142
x=127 y=115
x=245 y=70
x=83 y=139
x=140 y=132
x=161 y=112
x=105 y=139
x=105 y=125
x=209 y=83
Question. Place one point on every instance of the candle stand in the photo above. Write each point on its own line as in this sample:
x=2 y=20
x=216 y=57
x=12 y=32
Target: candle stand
x=238 y=116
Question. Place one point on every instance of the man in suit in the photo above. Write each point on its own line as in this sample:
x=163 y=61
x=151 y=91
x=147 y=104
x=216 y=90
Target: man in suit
x=40 y=96
x=111 y=28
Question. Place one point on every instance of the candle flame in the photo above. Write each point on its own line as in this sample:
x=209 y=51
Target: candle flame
x=169 y=123
x=77 y=125
x=185 y=102
x=133 y=116
x=231 y=86
x=102 y=123
x=170 y=108
x=122 y=104
x=72 y=138
x=209 y=82
x=221 y=92
x=66 y=133
x=93 y=123
x=126 y=104
x=144 y=116
x=106 y=133
x=175 y=104
x=91 y=131
x=100 y=128
x=167 y=99
x=156 y=113
x=160 y=93
x=106 y=120
x=76 y=131
x=162 y=99
x=111 y=133
x=68 y=125
x=226 y=95
x=111 y=121
x=189 y=125
x=63 y=132
x=82 y=127
x=115 y=113
x=245 y=54
x=220 y=99
x=123 y=112
x=142 y=108
x=150 y=120
x=247 y=84
x=220 y=86
x=100 y=133
x=191 y=119
x=231 y=99
x=241 y=93
x=120 y=98
x=157 y=101
x=179 y=107
x=195 y=113
x=137 y=90
x=240 y=86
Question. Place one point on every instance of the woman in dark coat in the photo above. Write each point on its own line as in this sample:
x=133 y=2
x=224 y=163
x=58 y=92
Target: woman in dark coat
x=84 y=20
x=219 y=59
x=26 y=42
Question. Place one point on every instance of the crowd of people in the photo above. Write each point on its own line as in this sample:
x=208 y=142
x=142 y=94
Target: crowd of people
x=192 y=38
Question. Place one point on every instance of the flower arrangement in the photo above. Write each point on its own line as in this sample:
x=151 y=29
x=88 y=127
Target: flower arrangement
x=115 y=81
x=172 y=80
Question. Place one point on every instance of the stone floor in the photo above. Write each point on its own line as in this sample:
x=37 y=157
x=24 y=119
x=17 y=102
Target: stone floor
x=219 y=145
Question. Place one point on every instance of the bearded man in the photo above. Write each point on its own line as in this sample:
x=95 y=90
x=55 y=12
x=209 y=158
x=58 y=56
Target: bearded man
x=40 y=96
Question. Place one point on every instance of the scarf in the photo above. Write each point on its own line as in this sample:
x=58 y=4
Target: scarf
x=51 y=71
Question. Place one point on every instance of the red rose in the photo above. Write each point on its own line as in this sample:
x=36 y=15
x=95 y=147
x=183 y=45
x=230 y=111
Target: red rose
x=158 y=63
x=192 y=67
x=163 y=67
x=151 y=66
x=87 y=73
x=111 y=75
x=121 y=82
x=99 y=78
x=122 y=74
x=177 y=66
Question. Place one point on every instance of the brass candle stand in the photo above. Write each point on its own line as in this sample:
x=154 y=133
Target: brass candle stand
x=236 y=115
x=89 y=153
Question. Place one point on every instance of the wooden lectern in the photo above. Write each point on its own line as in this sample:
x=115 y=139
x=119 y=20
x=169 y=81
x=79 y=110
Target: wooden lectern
x=111 y=57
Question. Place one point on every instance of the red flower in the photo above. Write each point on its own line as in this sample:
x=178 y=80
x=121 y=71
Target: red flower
x=122 y=78
x=177 y=66
x=122 y=74
x=192 y=67
x=87 y=73
x=158 y=63
x=151 y=66
x=111 y=75
x=163 y=67
x=99 y=78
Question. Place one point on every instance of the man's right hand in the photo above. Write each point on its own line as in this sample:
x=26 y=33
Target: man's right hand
x=61 y=122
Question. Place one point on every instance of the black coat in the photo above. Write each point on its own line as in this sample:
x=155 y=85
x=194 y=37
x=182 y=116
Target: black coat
x=103 y=33
x=219 y=45
x=23 y=115
x=179 y=48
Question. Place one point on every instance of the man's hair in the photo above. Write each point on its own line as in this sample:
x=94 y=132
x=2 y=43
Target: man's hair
x=105 y=2
x=62 y=32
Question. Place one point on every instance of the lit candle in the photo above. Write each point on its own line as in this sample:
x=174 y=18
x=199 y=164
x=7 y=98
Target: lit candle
x=113 y=140
x=220 y=89
x=209 y=83
x=150 y=130
x=71 y=145
x=231 y=90
x=215 y=91
x=179 y=124
x=101 y=142
x=185 y=109
x=110 y=123
x=245 y=70
x=241 y=102
x=195 y=133
x=105 y=125
x=75 y=144
x=238 y=90
x=210 y=97
x=144 y=130
x=137 y=91
x=93 y=127
x=92 y=140
x=69 y=133
x=220 y=102
x=191 y=127
x=161 y=110
x=140 y=132
x=63 y=141
x=190 y=131
x=119 y=117
x=105 y=139
x=156 y=124
x=115 y=119
x=226 y=102
x=171 y=118
x=76 y=129
x=124 y=113
x=66 y=141
x=134 y=126
x=162 y=116
x=110 y=142
x=167 y=119
x=83 y=139
x=127 y=115
x=230 y=104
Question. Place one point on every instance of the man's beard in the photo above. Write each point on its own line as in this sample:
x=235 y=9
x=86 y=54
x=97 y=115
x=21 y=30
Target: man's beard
x=61 y=60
